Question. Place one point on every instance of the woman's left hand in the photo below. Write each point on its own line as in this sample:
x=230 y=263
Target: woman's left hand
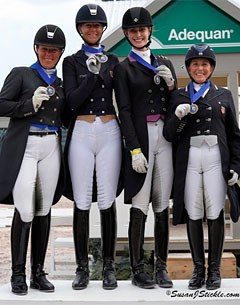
x=234 y=178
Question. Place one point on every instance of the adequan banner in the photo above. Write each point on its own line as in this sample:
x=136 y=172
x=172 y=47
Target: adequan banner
x=182 y=23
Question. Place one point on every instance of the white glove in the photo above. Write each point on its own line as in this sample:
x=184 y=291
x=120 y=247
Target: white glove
x=234 y=178
x=93 y=64
x=139 y=163
x=40 y=95
x=182 y=110
x=166 y=74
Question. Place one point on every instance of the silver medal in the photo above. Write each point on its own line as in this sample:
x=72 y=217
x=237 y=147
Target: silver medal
x=102 y=58
x=193 y=108
x=157 y=79
x=50 y=90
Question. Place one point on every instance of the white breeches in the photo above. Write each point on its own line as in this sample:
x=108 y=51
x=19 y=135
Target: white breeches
x=158 y=183
x=205 y=187
x=36 y=183
x=95 y=146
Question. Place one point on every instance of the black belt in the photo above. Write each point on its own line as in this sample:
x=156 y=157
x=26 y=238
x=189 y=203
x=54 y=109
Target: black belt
x=42 y=133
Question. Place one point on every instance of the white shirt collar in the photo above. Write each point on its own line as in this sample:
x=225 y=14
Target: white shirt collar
x=198 y=86
x=144 y=54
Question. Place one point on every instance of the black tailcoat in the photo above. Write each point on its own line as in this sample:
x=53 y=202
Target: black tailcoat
x=87 y=93
x=138 y=96
x=16 y=103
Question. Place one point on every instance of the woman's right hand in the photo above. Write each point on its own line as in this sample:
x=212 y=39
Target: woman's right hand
x=93 y=64
x=182 y=110
x=40 y=95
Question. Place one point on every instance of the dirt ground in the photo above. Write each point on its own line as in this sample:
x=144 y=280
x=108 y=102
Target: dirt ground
x=5 y=251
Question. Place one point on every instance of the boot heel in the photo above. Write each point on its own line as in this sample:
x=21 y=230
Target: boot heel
x=40 y=282
x=81 y=280
x=215 y=241
x=108 y=233
x=109 y=280
x=214 y=279
x=19 y=285
x=162 y=279
x=143 y=280
x=196 y=243
x=19 y=244
x=161 y=233
x=81 y=237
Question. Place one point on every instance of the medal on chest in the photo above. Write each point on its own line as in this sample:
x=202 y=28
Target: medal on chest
x=157 y=79
x=194 y=96
x=48 y=79
x=50 y=90
x=193 y=108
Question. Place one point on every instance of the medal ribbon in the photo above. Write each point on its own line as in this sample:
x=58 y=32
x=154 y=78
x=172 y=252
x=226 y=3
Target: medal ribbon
x=142 y=61
x=92 y=50
x=43 y=74
x=195 y=96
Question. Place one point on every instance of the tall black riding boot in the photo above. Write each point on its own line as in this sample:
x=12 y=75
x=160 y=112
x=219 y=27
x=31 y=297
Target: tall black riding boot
x=81 y=236
x=216 y=231
x=39 y=240
x=196 y=242
x=161 y=232
x=109 y=235
x=136 y=251
x=19 y=244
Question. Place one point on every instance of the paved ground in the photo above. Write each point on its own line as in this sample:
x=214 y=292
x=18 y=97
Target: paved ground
x=126 y=294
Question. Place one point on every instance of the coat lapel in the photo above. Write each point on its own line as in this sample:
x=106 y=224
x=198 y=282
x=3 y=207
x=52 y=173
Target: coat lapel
x=139 y=66
x=212 y=93
x=81 y=58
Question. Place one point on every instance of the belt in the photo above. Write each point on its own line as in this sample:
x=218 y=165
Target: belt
x=42 y=133
x=90 y=118
x=155 y=117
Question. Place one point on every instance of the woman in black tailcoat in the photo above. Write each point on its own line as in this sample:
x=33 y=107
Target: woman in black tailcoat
x=202 y=123
x=30 y=158
x=143 y=85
